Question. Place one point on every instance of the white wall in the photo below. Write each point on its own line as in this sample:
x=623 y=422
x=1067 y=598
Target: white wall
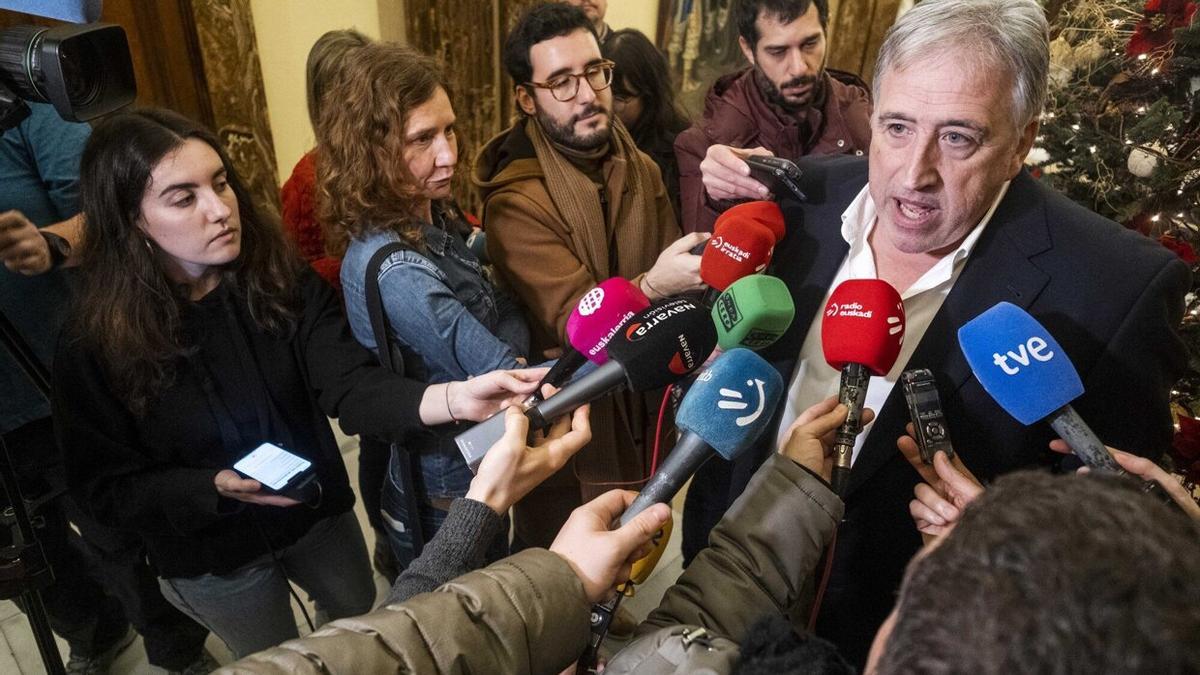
x=639 y=14
x=286 y=30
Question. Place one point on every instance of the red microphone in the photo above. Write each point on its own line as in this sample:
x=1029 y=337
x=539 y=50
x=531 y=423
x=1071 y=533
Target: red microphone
x=738 y=248
x=766 y=213
x=861 y=334
x=597 y=317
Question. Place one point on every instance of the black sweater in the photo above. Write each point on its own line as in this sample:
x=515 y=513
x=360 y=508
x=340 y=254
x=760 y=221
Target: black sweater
x=154 y=475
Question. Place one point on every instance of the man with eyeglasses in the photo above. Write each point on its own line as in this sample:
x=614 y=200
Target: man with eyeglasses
x=568 y=201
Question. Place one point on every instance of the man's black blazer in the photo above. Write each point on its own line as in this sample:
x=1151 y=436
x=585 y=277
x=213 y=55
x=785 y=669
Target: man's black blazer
x=1111 y=297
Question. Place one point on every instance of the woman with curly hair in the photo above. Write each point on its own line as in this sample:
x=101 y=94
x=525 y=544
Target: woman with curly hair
x=197 y=335
x=389 y=152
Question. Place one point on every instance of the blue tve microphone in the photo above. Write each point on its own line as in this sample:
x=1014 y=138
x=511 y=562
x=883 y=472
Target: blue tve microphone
x=725 y=412
x=1029 y=374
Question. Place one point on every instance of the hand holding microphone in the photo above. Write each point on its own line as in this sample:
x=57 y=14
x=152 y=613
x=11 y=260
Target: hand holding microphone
x=512 y=467
x=862 y=331
x=677 y=269
x=1148 y=471
x=810 y=438
x=600 y=556
x=477 y=398
x=724 y=413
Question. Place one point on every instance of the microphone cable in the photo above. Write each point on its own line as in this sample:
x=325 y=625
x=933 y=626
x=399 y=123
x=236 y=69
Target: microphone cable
x=823 y=584
x=658 y=435
x=282 y=570
x=662 y=412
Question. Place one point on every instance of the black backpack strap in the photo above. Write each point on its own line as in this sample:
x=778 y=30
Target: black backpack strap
x=379 y=324
x=407 y=461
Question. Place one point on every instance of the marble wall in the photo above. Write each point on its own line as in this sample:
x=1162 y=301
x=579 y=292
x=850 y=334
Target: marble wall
x=235 y=89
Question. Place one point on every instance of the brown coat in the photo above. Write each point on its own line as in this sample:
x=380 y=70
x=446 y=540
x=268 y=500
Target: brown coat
x=550 y=262
x=737 y=114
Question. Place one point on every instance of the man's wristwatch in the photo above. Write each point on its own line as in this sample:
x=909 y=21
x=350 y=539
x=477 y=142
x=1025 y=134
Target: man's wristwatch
x=60 y=249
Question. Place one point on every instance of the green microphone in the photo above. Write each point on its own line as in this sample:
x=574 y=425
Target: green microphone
x=753 y=312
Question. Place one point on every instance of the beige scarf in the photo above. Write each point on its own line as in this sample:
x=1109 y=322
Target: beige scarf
x=631 y=205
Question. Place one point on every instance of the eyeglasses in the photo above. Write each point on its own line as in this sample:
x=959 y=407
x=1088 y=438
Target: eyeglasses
x=565 y=87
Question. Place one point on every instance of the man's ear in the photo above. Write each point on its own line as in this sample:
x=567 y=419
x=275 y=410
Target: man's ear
x=525 y=100
x=747 y=50
x=1024 y=145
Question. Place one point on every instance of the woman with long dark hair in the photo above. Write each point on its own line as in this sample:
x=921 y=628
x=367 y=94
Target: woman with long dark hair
x=644 y=99
x=198 y=335
x=388 y=157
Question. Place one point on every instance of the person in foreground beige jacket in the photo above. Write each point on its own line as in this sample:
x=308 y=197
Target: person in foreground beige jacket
x=529 y=612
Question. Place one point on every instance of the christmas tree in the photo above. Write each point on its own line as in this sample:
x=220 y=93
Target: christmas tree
x=1121 y=135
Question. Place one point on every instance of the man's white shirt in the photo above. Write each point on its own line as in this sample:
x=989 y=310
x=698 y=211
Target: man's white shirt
x=815 y=380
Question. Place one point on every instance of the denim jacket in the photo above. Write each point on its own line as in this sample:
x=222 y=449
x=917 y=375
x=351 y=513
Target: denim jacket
x=442 y=308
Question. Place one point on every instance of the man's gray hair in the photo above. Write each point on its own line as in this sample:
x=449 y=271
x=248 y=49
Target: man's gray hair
x=1009 y=34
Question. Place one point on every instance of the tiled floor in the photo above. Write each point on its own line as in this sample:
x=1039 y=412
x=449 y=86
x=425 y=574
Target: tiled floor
x=19 y=653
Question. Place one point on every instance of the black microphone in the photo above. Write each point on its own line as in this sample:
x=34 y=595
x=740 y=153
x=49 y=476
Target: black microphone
x=657 y=347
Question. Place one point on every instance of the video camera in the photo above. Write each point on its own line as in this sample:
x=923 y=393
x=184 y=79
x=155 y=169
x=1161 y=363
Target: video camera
x=83 y=70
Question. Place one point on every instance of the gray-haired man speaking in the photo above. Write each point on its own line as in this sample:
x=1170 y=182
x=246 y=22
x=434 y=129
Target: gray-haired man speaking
x=942 y=210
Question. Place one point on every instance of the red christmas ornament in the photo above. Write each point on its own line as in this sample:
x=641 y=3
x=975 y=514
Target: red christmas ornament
x=1153 y=33
x=1181 y=248
x=1186 y=446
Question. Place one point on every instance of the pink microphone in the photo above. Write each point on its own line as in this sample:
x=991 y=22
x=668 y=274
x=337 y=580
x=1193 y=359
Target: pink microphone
x=597 y=317
x=600 y=313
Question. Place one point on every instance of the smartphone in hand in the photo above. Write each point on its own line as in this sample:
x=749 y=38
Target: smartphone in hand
x=781 y=176
x=281 y=472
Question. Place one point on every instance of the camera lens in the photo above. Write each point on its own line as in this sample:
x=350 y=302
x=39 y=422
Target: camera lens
x=84 y=71
x=81 y=70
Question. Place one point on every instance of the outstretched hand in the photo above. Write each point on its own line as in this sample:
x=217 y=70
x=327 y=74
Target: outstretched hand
x=726 y=175
x=949 y=486
x=677 y=269
x=485 y=395
x=603 y=558
x=511 y=467
x=1146 y=470
x=810 y=438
